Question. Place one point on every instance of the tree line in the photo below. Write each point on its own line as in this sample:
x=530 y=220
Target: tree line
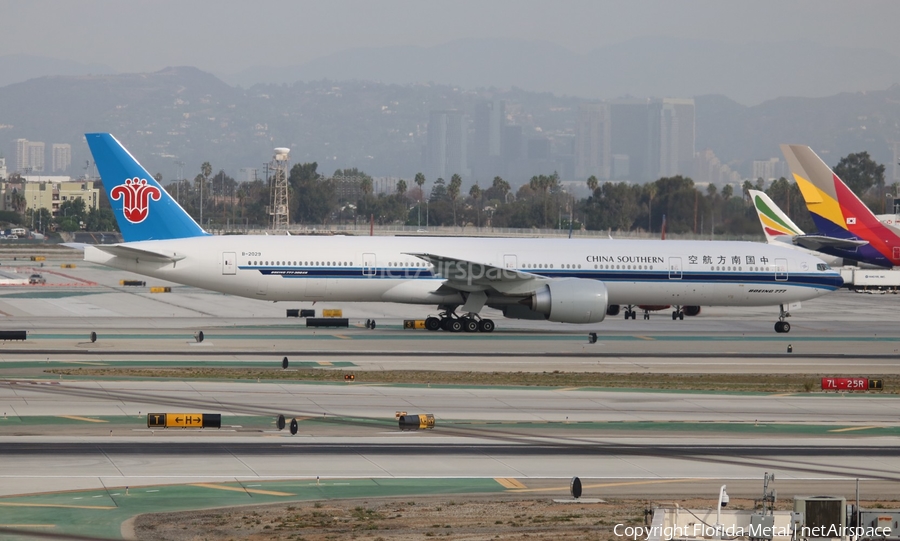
x=348 y=196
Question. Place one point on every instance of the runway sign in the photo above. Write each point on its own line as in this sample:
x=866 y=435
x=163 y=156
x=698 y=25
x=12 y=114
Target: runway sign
x=852 y=384
x=413 y=323
x=184 y=420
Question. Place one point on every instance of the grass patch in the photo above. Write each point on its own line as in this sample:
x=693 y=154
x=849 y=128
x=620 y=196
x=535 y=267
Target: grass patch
x=763 y=383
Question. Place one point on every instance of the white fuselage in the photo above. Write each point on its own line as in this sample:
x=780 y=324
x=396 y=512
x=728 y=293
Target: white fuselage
x=380 y=269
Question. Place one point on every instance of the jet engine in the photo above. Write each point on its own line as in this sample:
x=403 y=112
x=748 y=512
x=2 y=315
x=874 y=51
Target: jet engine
x=570 y=300
x=691 y=310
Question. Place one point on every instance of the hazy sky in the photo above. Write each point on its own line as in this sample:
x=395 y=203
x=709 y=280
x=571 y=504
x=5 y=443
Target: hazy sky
x=225 y=36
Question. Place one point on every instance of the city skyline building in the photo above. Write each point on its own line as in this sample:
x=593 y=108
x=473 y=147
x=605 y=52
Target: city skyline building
x=487 y=143
x=592 y=141
x=29 y=156
x=630 y=139
x=770 y=169
x=61 y=157
x=673 y=136
x=445 y=151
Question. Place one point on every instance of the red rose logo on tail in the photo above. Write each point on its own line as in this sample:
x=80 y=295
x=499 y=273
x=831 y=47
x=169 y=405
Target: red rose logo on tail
x=136 y=194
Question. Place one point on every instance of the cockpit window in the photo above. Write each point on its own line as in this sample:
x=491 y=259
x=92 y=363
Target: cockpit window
x=822 y=267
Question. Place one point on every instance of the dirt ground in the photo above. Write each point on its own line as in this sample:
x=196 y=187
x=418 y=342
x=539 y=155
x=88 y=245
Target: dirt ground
x=406 y=519
x=766 y=383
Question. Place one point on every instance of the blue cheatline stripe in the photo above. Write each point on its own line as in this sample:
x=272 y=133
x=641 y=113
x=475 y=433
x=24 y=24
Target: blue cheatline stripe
x=716 y=277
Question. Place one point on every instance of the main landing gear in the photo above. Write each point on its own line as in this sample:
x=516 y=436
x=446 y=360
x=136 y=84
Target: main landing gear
x=678 y=314
x=449 y=321
x=630 y=312
x=782 y=326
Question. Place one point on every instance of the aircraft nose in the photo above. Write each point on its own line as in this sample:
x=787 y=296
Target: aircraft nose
x=835 y=280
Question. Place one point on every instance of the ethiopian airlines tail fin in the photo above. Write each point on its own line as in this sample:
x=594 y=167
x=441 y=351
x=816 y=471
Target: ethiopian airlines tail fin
x=779 y=228
x=775 y=223
x=143 y=209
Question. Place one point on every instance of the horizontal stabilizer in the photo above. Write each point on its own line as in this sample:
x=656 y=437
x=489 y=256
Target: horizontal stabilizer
x=817 y=242
x=128 y=252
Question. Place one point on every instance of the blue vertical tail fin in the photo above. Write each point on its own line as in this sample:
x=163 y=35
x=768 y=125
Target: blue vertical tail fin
x=143 y=209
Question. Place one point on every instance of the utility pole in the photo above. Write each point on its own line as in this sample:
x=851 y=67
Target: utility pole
x=179 y=173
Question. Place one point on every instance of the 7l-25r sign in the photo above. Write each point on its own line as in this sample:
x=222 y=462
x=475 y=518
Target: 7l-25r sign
x=852 y=384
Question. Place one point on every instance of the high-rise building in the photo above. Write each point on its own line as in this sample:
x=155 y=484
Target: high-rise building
x=592 y=141
x=708 y=169
x=445 y=151
x=2 y=168
x=672 y=137
x=490 y=117
x=630 y=122
x=490 y=121
x=20 y=154
x=770 y=169
x=62 y=156
x=29 y=156
x=513 y=142
x=36 y=156
x=539 y=149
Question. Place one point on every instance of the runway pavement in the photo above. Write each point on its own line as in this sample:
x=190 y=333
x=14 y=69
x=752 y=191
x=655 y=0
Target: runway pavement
x=87 y=435
x=75 y=434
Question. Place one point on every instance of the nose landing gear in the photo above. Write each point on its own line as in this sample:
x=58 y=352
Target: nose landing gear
x=782 y=326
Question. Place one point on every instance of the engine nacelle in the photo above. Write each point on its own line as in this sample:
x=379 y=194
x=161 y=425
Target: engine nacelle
x=572 y=300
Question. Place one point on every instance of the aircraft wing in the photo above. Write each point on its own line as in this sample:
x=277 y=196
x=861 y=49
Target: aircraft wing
x=128 y=252
x=816 y=242
x=464 y=275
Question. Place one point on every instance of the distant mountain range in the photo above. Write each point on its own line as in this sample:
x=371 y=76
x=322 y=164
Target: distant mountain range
x=17 y=68
x=748 y=73
x=653 y=66
x=185 y=114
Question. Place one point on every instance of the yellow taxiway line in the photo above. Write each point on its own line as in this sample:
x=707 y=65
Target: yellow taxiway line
x=77 y=418
x=852 y=428
x=239 y=489
x=606 y=485
x=509 y=482
x=58 y=505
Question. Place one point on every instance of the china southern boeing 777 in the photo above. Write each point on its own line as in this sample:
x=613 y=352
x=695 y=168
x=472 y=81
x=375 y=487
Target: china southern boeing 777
x=570 y=281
